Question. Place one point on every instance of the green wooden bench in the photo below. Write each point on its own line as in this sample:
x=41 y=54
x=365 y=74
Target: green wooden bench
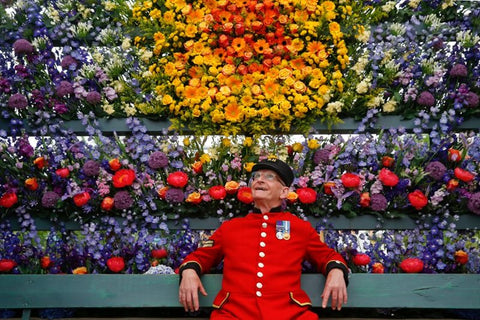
x=389 y=291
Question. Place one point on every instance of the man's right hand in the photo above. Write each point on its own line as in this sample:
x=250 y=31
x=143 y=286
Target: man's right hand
x=188 y=290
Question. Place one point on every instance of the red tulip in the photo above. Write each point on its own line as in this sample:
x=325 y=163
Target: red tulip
x=40 y=162
x=411 y=265
x=116 y=264
x=63 y=172
x=8 y=199
x=81 y=199
x=177 y=179
x=6 y=265
x=244 y=195
x=159 y=253
x=461 y=257
x=350 y=180
x=388 y=178
x=123 y=178
x=464 y=175
x=31 y=184
x=107 y=203
x=217 y=192
x=306 y=195
x=361 y=259
x=365 y=199
x=378 y=268
x=417 y=199
x=114 y=164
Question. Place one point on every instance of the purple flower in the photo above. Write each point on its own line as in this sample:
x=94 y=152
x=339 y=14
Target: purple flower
x=458 y=71
x=174 y=195
x=322 y=156
x=17 y=101
x=472 y=99
x=24 y=147
x=91 y=168
x=378 y=202
x=50 y=199
x=94 y=97
x=474 y=203
x=122 y=200
x=64 y=88
x=436 y=170
x=426 y=99
x=60 y=108
x=68 y=62
x=22 y=46
x=157 y=160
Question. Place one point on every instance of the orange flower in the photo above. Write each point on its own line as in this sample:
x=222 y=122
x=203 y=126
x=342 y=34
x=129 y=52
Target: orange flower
x=387 y=161
x=107 y=203
x=194 y=198
x=63 y=172
x=46 y=262
x=365 y=199
x=239 y=45
x=40 y=162
x=80 y=270
x=261 y=46
x=232 y=187
x=461 y=257
x=114 y=164
x=292 y=197
x=162 y=192
x=377 y=267
x=197 y=167
x=31 y=184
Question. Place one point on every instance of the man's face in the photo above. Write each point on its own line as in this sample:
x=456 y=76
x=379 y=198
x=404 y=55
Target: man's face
x=267 y=186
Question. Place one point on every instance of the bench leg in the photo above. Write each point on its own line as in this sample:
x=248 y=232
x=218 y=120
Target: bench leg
x=26 y=314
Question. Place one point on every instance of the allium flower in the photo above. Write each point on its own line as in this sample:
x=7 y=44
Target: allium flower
x=157 y=160
x=472 y=99
x=122 y=200
x=94 y=97
x=24 y=148
x=22 y=46
x=64 y=88
x=91 y=168
x=459 y=71
x=17 y=101
x=436 y=170
x=68 y=62
x=322 y=156
x=378 y=202
x=50 y=199
x=426 y=99
x=474 y=203
x=174 y=195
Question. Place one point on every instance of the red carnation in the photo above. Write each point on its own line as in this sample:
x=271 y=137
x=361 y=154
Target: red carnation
x=388 y=178
x=116 y=264
x=81 y=199
x=412 y=265
x=361 y=259
x=159 y=253
x=177 y=179
x=464 y=175
x=244 y=195
x=8 y=199
x=123 y=178
x=217 y=192
x=6 y=265
x=350 y=180
x=306 y=195
x=417 y=199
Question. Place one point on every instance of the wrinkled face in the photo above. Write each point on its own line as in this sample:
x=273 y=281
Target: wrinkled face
x=267 y=186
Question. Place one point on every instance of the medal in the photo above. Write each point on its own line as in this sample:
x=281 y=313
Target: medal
x=283 y=230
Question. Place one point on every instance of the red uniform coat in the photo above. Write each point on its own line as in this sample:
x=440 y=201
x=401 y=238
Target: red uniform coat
x=261 y=277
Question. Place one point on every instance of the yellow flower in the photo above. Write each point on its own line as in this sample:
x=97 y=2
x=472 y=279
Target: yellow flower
x=233 y=112
x=297 y=147
x=313 y=144
x=248 y=142
x=205 y=158
x=248 y=166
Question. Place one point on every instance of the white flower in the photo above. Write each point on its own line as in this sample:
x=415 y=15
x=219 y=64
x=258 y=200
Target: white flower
x=363 y=86
x=390 y=106
x=398 y=29
x=375 y=102
x=387 y=7
x=334 y=107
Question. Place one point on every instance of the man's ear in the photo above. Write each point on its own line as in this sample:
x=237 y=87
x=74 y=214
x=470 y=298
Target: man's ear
x=284 y=193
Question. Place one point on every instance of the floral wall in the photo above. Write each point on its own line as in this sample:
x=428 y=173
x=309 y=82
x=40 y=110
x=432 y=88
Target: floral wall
x=235 y=79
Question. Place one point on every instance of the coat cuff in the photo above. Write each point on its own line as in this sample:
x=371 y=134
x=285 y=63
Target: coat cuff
x=336 y=264
x=190 y=265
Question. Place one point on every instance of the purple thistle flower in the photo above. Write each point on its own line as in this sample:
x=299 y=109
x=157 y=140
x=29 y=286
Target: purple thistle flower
x=17 y=101
x=322 y=156
x=91 y=168
x=94 y=97
x=472 y=99
x=69 y=62
x=436 y=170
x=474 y=203
x=459 y=71
x=158 y=160
x=22 y=46
x=122 y=200
x=174 y=195
x=24 y=148
x=378 y=202
x=64 y=88
x=50 y=199
x=426 y=99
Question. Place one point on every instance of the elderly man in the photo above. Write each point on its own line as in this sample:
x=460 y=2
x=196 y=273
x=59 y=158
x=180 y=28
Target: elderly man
x=263 y=254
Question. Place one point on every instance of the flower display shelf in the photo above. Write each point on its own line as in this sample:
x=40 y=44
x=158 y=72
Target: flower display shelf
x=348 y=125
